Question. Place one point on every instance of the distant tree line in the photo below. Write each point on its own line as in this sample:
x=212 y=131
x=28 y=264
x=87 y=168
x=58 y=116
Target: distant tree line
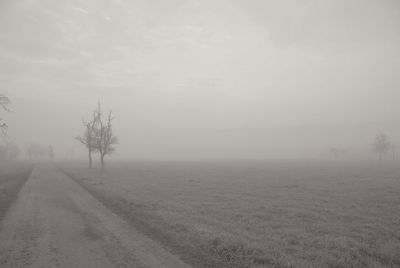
x=9 y=151
x=98 y=135
x=37 y=151
x=381 y=146
x=338 y=152
x=4 y=103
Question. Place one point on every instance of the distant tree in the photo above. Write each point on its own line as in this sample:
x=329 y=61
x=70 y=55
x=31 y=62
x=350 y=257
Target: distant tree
x=88 y=138
x=13 y=151
x=381 y=145
x=335 y=152
x=393 y=147
x=4 y=102
x=36 y=151
x=343 y=153
x=338 y=153
x=105 y=140
x=50 y=152
x=3 y=153
x=41 y=151
x=29 y=152
x=71 y=152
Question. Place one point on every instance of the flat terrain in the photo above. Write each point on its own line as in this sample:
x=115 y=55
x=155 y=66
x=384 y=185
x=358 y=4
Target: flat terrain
x=275 y=214
x=12 y=177
x=54 y=222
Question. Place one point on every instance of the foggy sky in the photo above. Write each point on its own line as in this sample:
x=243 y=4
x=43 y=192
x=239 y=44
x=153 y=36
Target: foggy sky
x=191 y=79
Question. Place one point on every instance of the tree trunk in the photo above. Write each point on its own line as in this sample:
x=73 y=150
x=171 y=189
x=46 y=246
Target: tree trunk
x=90 y=159
x=102 y=162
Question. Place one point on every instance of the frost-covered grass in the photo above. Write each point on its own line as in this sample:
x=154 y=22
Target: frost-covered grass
x=273 y=214
x=13 y=175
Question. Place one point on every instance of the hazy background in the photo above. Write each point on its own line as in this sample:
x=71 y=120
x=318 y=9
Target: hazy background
x=191 y=79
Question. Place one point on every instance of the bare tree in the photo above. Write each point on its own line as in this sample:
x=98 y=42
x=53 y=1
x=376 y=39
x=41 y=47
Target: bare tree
x=105 y=140
x=9 y=151
x=4 y=102
x=29 y=152
x=50 y=152
x=13 y=151
x=393 y=147
x=335 y=152
x=88 y=139
x=71 y=153
x=36 y=151
x=343 y=153
x=338 y=153
x=381 y=145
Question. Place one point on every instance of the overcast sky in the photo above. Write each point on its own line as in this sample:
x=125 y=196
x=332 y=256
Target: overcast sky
x=191 y=79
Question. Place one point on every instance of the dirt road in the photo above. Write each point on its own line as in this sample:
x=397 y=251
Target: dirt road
x=56 y=223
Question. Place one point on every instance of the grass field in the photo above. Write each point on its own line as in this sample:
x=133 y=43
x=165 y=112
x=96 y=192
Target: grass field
x=254 y=214
x=13 y=175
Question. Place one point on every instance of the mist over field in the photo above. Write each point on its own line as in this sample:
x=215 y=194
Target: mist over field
x=190 y=79
x=200 y=133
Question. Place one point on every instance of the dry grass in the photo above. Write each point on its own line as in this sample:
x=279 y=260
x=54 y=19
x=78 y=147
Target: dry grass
x=277 y=214
x=13 y=175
